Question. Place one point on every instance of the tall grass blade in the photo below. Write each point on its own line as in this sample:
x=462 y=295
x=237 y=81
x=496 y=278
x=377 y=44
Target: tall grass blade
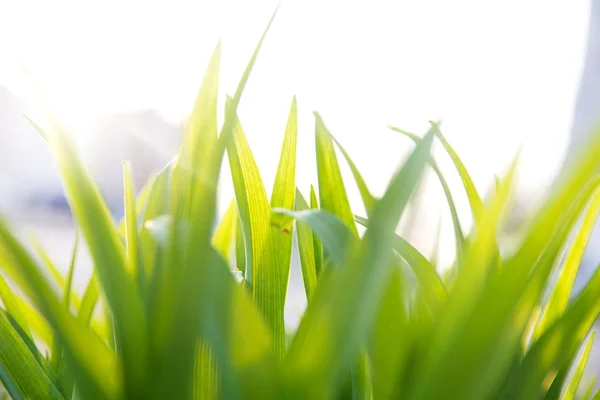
x=574 y=384
x=264 y=270
x=559 y=298
x=459 y=237
x=337 y=320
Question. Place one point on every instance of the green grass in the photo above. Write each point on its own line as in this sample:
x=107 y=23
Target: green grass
x=189 y=309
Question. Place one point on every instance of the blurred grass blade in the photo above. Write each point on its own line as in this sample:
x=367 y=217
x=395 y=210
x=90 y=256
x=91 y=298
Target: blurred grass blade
x=459 y=237
x=573 y=385
x=12 y=306
x=20 y=372
x=71 y=271
x=559 y=298
x=131 y=225
x=106 y=249
x=337 y=320
x=391 y=338
x=425 y=272
x=474 y=198
x=451 y=337
x=95 y=367
x=224 y=234
x=367 y=197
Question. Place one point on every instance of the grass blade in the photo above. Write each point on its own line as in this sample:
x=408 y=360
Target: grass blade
x=20 y=371
x=106 y=249
x=263 y=269
x=459 y=236
x=367 y=197
x=314 y=204
x=131 y=228
x=573 y=384
x=430 y=281
x=337 y=320
x=222 y=238
x=333 y=197
x=96 y=369
x=306 y=249
x=559 y=298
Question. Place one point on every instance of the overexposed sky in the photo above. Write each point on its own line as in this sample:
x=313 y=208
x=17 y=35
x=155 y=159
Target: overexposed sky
x=499 y=74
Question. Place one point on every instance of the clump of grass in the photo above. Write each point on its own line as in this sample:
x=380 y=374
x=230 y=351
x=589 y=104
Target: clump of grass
x=196 y=311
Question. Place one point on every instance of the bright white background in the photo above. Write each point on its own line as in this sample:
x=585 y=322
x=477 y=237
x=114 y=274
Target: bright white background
x=499 y=74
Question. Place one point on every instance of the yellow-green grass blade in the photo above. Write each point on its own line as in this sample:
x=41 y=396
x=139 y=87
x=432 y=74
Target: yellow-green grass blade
x=131 y=227
x=283 y=195
x=450 y=337
x=206 y=376
x=459 y=236
x=332 y=192
x=433 y=287
x=69 y=282
x=284 y=187
x=240 y=247
x=314 y=204
x=57 y=277
x=241 y=341
x=96 y=369
x=573 y=384
x=306 y=249
x=57 y=359
x=591 y=390
x=107 y=251
x=556 y=347
x=559 y=299
x=339 y=318
x=12 y=306
x=520 y=290
x=224 y=234
x=155 y=207
x=474 y=197
x=199 y=140
x=189 y=245
x=40 y=328
x=263 y=271
x=140 y=201
x=509 y=329
x=391 y=340
x=365 y=193
x=20 y=372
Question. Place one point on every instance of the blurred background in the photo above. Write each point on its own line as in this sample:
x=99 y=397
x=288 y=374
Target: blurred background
x=123 y=75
